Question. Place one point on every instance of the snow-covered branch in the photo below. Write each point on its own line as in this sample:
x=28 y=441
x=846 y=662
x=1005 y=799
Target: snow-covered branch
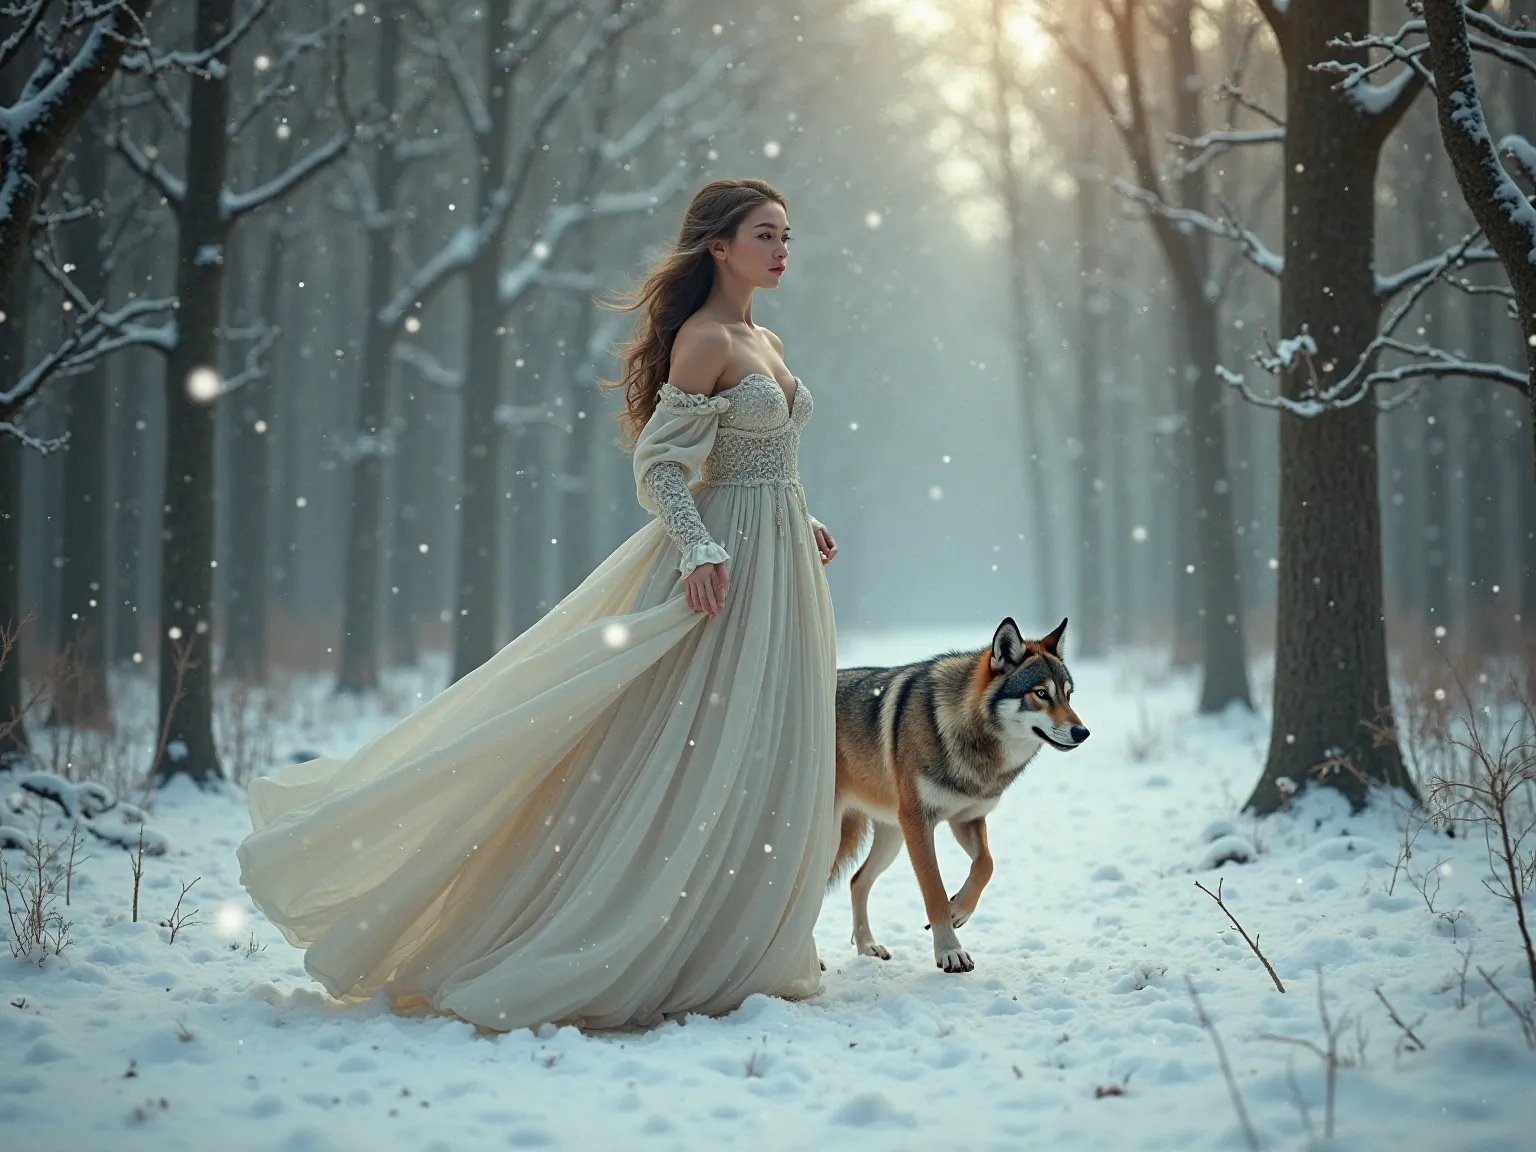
x=1522 y=152
x=28 y=17
x=1210 y=145
x=205 y=62
x=96 y=333
x=1430 y=269
x=443 y=46
x=466 y=245
x=429 y=367
x=279 y=82
x=261 y=339
x=1502 y=210
x=527 y=272
x=1259 y=254
x=149 y=167
x=57 y=93
x=667 y=108
x=233 y=205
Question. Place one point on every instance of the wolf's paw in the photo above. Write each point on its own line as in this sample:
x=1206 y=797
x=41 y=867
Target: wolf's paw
x=954 y=960
x=958 y=913
x=871 y=948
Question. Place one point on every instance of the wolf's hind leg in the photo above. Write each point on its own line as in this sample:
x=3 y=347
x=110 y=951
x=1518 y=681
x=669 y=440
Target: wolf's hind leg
x=887 y=844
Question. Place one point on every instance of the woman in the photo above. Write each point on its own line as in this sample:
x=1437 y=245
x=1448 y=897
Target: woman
x=627 y=812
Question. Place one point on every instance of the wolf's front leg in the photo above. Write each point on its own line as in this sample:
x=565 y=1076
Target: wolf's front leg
x=972 y=836
x=917 y=830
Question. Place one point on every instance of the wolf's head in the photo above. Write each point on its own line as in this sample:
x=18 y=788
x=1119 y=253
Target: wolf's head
x=1031 y=692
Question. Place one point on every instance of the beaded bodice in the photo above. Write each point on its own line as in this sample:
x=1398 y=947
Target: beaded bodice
x=758 y=440
x=747 y=435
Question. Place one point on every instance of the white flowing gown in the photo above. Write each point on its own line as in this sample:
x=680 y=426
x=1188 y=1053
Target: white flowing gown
x=626 y=813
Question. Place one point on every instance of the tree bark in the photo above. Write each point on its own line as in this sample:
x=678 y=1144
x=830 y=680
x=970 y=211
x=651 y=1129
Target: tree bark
x=186 y=584
x=246 y=651
x=1330 y=652
x=1484 y=184
x=14 y=302
x=29 y=143
x=479 y=511
x=1026 y=362
x=358 y=667
x=1093 y=481
x=1223 y=645
x=83 y=700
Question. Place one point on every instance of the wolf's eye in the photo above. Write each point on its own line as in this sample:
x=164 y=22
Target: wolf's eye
x=1042 y=694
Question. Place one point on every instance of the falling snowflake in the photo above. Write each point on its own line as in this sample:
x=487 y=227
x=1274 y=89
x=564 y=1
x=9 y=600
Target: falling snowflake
x=203 y=384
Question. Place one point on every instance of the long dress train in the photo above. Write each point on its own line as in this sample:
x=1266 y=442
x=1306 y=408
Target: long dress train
x=626 y=813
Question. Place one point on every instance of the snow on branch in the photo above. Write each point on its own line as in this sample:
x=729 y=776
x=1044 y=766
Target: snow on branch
x=443 y=46
x=261 y=338
x=1259 y=254
x=527 y=272
x=280 y=81
x=29 y=16
x=466 y=245
x=667 y=108
x=1434 y=267
x=1210 y=145
x=200 y=63
x=96 y=333
x=83 y=55
x=233 y=205
x=149 y=167
x=1361 y=381
x=429 y=367
x=1497 y=203
x=1522 y=152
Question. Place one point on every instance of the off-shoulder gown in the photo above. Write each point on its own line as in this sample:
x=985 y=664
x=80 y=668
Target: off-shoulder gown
x=625 y=814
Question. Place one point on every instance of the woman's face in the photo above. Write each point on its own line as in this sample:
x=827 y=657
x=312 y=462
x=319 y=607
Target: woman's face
x=760 y=251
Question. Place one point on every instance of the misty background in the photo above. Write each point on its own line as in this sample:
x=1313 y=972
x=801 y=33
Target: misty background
x=975 y=295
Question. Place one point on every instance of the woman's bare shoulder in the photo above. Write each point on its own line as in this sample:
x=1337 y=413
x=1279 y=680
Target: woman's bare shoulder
x=699 y=355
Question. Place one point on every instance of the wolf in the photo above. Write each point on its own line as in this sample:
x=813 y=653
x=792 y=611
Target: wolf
x=941 y=740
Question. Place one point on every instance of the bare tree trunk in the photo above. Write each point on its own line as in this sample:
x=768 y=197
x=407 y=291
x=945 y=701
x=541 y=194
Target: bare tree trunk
x=13 y=362
x=1330 y=651
x=83 y=616
x=479 y=511
x=129 y=433
x=410 y=485
x=358 y=669
x=1026 y=362
x=1092 y=305
x=186 y=584
x=250 y=576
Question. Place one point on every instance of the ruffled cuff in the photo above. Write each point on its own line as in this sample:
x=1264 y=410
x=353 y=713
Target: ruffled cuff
x=706 y=553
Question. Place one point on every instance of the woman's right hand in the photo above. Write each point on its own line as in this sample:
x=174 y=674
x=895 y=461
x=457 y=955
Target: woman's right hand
x=706 y=587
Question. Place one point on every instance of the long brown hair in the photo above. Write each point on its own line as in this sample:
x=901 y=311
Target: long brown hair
x=676 y=288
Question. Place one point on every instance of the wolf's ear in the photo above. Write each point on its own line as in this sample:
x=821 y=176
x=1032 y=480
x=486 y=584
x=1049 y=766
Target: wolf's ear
x=1052 y=643
x=1007 y=646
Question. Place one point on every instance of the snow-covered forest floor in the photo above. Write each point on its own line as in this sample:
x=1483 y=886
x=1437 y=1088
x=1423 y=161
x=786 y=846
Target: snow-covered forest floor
x=1077 y=1030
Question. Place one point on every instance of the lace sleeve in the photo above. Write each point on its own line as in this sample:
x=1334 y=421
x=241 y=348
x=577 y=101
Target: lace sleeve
x=679 y=515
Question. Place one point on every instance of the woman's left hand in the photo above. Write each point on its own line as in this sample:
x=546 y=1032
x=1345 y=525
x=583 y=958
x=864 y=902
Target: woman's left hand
x=826 y=546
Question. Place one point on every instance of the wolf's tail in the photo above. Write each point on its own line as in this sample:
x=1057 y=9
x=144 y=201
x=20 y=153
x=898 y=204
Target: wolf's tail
x=856 y=828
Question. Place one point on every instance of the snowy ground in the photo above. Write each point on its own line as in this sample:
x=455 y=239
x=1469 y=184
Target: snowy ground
x=1076 y=1031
